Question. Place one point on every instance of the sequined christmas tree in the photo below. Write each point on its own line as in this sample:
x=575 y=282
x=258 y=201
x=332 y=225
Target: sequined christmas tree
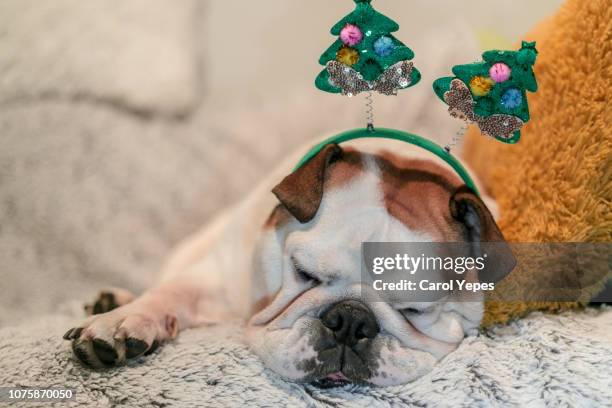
x=366 y=56
x=492 y=93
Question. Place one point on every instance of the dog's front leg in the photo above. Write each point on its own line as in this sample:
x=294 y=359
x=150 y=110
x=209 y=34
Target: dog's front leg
x=140 y=326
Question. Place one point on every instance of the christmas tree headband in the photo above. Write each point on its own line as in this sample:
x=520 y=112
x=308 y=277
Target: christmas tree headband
x=366 y=57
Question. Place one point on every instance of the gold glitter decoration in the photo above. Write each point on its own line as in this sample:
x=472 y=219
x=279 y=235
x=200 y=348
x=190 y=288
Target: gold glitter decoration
x=461 y=105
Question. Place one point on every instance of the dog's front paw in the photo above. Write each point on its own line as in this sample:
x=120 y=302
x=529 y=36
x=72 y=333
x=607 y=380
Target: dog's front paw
x=110 y=339
x=109 y=299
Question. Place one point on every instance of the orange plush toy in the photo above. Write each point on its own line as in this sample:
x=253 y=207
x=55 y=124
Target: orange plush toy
x=556 y=184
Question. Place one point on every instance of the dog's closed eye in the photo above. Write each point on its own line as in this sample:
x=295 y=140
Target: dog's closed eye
x=305 y=276
x=412 y=311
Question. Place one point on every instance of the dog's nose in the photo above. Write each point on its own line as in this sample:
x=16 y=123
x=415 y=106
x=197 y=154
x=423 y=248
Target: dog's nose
x=350 y=321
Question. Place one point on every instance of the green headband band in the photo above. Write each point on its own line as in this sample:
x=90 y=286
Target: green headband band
x=395 y=135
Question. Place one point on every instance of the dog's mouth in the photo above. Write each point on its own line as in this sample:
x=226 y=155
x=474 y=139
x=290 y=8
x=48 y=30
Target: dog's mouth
x=333 y=380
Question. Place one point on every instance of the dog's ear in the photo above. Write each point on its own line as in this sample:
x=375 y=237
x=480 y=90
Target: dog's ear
x=482 y=232
x=467 y=208
x=301 y=192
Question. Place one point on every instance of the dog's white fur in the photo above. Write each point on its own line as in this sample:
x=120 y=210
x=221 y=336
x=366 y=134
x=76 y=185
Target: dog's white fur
x=232 y=265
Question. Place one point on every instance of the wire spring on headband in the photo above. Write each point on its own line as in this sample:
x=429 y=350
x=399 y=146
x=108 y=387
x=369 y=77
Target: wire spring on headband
x=459 y=135
x=457 y=138
x=370 y=111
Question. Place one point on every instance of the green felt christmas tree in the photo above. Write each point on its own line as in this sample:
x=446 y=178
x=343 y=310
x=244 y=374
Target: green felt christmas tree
x=497 y=85
x=366 y=45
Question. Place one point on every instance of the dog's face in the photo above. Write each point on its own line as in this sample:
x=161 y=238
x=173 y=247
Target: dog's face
x=314 y=324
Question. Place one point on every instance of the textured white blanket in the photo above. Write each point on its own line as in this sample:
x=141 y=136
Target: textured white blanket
x=543 y=360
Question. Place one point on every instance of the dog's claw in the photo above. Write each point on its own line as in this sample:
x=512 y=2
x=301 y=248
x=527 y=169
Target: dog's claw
x=154 y=347
x=77 y=349
x=68 y=334
x=135 y=347
x=105 y=352
x=73 y=333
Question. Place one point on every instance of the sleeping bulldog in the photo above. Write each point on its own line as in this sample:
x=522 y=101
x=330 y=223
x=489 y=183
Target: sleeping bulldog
x=289 y=263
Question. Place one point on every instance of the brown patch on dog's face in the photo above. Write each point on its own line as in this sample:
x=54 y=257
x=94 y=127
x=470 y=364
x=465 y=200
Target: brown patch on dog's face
x=345 y=168
x=417 y=193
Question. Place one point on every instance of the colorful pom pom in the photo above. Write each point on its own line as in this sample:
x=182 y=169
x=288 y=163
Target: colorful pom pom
x=351 y=35
x=384 y=46
x=347 y=56
x=500 y=72
x=481 y=86
x=512 y=99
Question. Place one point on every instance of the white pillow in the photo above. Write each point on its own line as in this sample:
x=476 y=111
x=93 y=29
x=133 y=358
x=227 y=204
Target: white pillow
x=140 y=54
